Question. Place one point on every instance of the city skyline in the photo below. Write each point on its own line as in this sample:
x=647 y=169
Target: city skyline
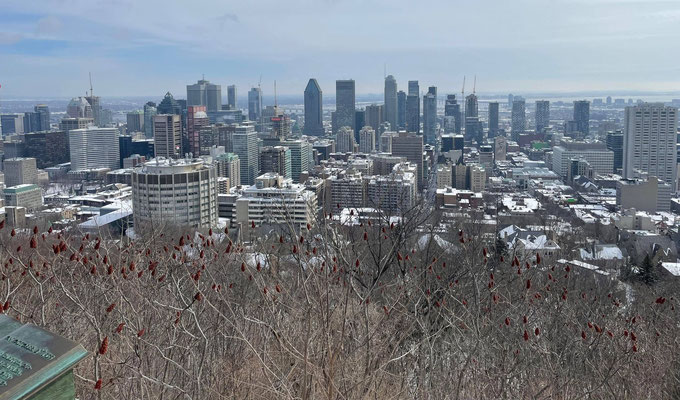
x=130 y=50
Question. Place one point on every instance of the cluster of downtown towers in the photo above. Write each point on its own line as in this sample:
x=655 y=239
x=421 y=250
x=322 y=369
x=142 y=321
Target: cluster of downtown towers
x=401 y=110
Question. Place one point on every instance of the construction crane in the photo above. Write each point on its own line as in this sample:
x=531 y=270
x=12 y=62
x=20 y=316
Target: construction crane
x=474 y=86
x=91 y=91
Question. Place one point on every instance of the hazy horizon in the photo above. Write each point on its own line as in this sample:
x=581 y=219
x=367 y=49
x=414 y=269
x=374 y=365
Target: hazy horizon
x=48 y=47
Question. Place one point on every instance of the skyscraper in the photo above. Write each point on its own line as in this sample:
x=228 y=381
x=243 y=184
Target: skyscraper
x=169 y=105
x=649 y=143
x=43 y=117
x=167 y=135
x=518 y=117
x=413 y=88
x=313 y=109
x=493 y=119
x=149 y=112
x=452 y=114
x=79 y=107
x=244 y=142
x=374 y=116
x=471 y=106
x=95 y=104
x=135 y=122
x=542 y=115
x=430 y=115
x=615 y=144
x=231 y=97
x=391 y=102
x=401 y=110
x=254 y=106
x=345 y=104
x=582 y=116
x=204 y=93
x=94 y=148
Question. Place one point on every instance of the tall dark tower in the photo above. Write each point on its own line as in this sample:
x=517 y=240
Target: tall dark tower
x=313 y=109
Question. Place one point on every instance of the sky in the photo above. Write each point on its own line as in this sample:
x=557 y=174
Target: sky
x=148 y=47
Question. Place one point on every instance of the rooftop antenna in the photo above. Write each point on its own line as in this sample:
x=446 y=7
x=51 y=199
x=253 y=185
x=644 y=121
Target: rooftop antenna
x=474 y=87
x=90 y=84
x=276 y=103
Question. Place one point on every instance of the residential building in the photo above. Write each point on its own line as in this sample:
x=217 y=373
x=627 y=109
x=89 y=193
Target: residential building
x=179 y=192
x=276 y=159
x=245 y=146
x=274 y=199
x=542 y=115
x=649 y=143
x=582 y=116
x=229 y=166
x=366 y=140
x=344 y=140
x=20 y=171
x=255 y=104
x=135 y=122
x=410 y=146
x=518 y=118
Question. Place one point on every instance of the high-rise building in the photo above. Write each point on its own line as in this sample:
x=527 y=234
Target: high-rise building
x=135 y=122
x=452 y=116
x=542 y=115
x=49 y=148
x=204 y=93
x=410 y=146
x=31 y=122
x=471 y=106
x=229 y=166
x=44 y=117
x=301 y=157
x=274 y=199
x=615 y=144
x=167 y=135
x=493 y=119
x=97 y=112
x=374 y=116
x=511 y=99
x=413 y=88
x=344 y=140
x=197 y=118
x=94 y=148
x=413 y=107
x=345 y=101
x=149 y=112
x=79 y=107
x=313 y=109
x=255 y=104
x=245 y=147
x=68 y=124
x=174 y=192
x=391 y=102
x=20 y=171
x=12 y=124
x=582 y=116
x=169 y=105
x=28 y=196
x=474 y=129
x=596 y=154
x=231 y=97
x=518 y=118
x=430 y=115
x=649 y=143
x=401 y=110
x=367 y=140
x=359 y=122
x=275 y=159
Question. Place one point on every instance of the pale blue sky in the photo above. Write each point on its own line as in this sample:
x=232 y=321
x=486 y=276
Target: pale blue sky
x=134 y=47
